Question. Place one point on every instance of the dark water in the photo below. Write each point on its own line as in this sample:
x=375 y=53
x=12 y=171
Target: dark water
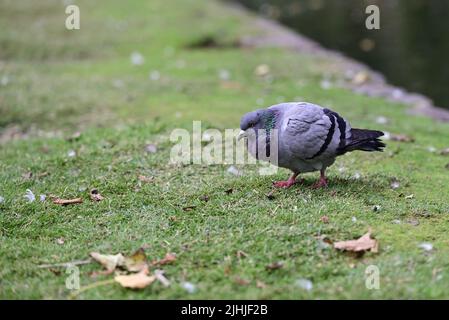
x=411 y=48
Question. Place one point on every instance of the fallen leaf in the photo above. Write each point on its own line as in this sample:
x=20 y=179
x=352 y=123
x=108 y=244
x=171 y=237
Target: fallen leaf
x=145 y=179
x=240 y=254
x=74 y=136
x=262 y=70
x=241 y=281
x=136 y=281
x=27 y=175
x=109 y=262
x=169 y=258
x=260 y=284
x=137 y=261
x=444 y=152
x=95 y=195
x=324 y=219
x=274 y=265
x=188 y=208
x=65 y=202
x=413 y=222
x=401 y=138
x=364 y=243
x=60 y=241
x=231 y=85
x=410 y=196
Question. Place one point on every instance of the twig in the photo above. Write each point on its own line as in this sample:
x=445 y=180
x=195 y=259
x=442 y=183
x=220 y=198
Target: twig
x=66 y=264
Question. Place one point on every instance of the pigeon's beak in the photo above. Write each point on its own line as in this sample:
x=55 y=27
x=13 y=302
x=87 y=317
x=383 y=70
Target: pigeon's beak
x=241 y=135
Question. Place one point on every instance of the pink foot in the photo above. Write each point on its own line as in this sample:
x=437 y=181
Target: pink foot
x=320 y=183
x=284 y=184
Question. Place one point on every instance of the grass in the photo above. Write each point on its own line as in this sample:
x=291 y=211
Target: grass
x=63 y=81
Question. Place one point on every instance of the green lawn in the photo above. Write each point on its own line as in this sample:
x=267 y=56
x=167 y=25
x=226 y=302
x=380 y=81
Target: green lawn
x=59 y=82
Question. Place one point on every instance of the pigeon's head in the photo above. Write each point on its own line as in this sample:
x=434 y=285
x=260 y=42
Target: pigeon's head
x=254 y=120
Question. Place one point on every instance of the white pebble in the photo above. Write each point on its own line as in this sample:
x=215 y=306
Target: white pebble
x=155 y=75
x=224 y=74
x=137 y=59
x=426 y=246
x=304 y=284
x=71 y=153
x=189 y=287
x=233 y=170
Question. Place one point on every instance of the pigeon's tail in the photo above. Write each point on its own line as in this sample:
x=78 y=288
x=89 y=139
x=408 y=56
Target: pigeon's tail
x=366 y=140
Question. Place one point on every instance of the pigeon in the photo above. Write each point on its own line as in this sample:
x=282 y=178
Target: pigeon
x=309 y=138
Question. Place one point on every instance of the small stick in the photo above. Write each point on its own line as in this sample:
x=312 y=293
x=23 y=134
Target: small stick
x=66 y=264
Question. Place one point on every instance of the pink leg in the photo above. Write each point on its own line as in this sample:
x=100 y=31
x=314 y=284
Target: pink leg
x=322 y=182
x=286 y=184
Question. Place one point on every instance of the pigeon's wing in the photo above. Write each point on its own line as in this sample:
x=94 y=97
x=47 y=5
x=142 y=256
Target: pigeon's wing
x=312 y=132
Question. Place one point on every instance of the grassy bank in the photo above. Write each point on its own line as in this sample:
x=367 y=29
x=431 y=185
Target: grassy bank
x=59 y=82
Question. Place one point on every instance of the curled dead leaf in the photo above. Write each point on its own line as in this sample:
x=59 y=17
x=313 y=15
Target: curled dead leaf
x=274 y=266
x=136 y=281
x=95 y=195
x=241 y=281
x=364 y=243
x=444 y=152
x=137 y=261
x=145 y=179
x=324 y=219
x=108 y=261
x=169 y=258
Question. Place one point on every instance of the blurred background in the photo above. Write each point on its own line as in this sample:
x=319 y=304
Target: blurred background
x=410 y=49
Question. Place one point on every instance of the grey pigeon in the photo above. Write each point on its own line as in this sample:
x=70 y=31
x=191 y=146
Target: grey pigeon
x=309 y=137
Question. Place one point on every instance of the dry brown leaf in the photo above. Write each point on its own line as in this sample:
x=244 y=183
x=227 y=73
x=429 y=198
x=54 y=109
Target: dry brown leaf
x=145 y=179
x=444 y=152
x=65 y=202
x=241 y=281
x=260 y=284
x=136 y=281
x=188 y=208
x=324 y=219
x=274 y=265
x=169 y=258
x=241 y=254
x=364 y=243
x=402 y=138
x=137 y=261
x=108 y=261
x=95 y=195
